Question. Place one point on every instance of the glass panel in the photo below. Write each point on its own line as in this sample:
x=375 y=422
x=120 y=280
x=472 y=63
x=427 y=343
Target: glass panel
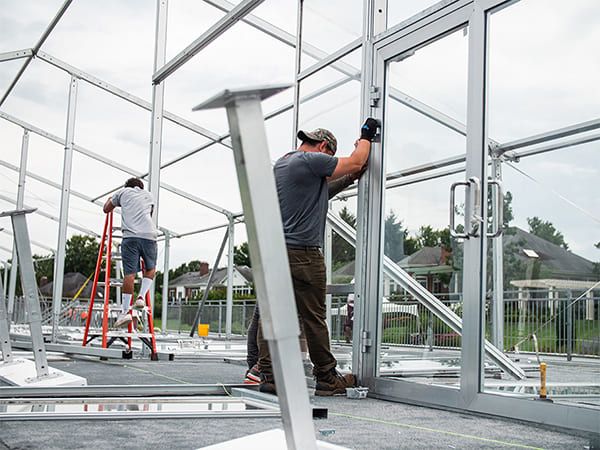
x=325 y=29
x=401 y=11
x=550 y=289
x=419 y=345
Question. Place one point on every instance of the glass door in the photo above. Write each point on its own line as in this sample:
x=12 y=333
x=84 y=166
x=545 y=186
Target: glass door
x=424 y=153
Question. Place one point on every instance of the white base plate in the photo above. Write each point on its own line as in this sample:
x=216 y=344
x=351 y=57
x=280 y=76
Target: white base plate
x=22 y=372
x=266 y=440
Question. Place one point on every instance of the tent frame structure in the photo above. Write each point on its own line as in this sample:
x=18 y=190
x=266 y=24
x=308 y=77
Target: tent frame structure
x=379 y=45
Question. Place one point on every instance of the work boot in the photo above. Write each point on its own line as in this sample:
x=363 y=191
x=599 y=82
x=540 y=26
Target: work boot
x=332 y=383
x=267 y=384
x=252 y=375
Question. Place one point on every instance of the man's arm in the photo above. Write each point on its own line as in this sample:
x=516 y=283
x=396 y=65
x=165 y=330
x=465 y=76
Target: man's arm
x=359 y=156
x=108 y=206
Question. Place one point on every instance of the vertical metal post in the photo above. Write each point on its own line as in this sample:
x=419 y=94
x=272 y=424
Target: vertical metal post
x=30 y=291
x=474 y=247
x=297 y=70
x=20 y=200
x=569 y=326
x=59 y=260
x=6 y=264
x=165 y=289
x=4 y=327
x=369 y=245
x=497 y=335
x=158 y=94
x=158 y=91
x=229 y=310
x=267 y=250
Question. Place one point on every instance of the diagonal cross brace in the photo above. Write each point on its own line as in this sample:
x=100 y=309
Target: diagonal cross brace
x=426 y=298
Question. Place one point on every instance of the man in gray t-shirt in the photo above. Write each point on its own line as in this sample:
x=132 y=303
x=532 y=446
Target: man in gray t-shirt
x=139 y=241
x=301 y=178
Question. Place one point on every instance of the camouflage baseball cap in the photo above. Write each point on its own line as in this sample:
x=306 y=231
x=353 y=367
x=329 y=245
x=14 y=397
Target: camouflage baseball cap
x=319 y=135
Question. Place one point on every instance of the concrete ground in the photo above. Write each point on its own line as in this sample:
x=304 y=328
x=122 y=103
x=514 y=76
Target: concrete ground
x=358 y=424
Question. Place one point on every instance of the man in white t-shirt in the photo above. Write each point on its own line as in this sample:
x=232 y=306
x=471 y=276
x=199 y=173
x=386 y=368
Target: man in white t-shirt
x=139 y=241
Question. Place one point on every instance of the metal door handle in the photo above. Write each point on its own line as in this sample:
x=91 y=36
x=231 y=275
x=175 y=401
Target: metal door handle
x=476 y=219
x=499 y=213
x=453 y=231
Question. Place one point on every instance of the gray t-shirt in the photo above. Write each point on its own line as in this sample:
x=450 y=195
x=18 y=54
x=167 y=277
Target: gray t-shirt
x=301 y=179
x=136 y=208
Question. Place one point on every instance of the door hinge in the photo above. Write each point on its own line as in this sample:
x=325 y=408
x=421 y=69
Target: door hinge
x=374 y=96
x=365 y=341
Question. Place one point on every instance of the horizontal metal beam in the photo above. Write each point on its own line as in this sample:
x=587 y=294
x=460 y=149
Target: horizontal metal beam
x=332 y=58
x=550 y=135
x=206 y=38
x=119 y=390
x=124 y=95
x=8 y=56
x=51 y=217
x=559 y=145
x=287 y=38
x=77 y=349
x=108 y=162
x=37 y=244
x=37 y=46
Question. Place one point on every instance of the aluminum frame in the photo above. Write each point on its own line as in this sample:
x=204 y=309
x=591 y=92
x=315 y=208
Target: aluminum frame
x=469 y=396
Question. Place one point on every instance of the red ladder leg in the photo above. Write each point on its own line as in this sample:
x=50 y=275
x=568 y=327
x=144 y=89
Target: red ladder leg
x=107 y=281
x=95 y=284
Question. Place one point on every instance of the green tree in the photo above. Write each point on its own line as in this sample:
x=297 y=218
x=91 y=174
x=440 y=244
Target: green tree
x=81 y=254
x=43 y=266
x=241 y=255
x=546 y=230
x=395 y=238
x=342 y=252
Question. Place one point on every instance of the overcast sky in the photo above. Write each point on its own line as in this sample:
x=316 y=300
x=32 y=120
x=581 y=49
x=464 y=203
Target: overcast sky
x=544 y=69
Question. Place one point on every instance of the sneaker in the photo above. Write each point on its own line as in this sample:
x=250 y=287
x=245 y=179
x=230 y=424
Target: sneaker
x=267 y=384
x=252 y=375
x=139 y=303
x=332 y=383
x=123 y=320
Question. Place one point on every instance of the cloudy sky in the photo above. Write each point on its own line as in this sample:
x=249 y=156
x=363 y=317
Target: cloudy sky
x=544 y=67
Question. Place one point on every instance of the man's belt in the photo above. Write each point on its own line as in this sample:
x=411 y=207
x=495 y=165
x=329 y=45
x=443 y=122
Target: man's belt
x=303 y=247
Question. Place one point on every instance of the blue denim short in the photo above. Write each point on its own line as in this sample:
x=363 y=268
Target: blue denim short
x=132 y=249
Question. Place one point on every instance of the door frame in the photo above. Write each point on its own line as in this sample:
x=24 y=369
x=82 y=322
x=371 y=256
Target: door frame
x=433 y=23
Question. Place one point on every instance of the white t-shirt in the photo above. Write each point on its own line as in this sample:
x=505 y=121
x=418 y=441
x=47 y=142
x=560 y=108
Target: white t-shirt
x=136 y=208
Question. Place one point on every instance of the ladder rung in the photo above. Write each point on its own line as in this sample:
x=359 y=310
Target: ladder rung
x=113 y=258
x=126 y=334
x=100 y=307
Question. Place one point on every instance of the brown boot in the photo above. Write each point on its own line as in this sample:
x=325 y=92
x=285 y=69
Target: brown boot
x=332 y=383
x=267 y=384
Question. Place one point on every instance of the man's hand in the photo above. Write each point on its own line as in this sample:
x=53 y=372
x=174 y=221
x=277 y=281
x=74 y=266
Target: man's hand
x=369 y=129
x=356 y=175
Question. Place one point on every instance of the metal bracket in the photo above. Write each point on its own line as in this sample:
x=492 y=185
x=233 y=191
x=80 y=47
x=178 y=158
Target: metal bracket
x=374 y=96
x=365 y=341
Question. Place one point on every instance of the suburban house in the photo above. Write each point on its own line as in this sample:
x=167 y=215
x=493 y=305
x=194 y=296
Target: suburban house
x=191 y=284
x=527 y=257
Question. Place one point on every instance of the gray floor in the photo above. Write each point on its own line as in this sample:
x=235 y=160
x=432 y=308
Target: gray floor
x=358 y=424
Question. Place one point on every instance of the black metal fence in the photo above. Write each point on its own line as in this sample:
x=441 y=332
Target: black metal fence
x=562 y=321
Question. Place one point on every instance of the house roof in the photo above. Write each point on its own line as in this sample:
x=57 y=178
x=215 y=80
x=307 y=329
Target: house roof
x=427 y=256
x=561 y=263
x=194 y=279
x=72 y=282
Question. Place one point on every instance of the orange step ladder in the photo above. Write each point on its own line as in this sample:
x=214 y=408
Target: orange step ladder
x=110 y=335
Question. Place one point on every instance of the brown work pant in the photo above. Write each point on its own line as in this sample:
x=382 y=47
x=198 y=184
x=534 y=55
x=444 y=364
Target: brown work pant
x=310 y=283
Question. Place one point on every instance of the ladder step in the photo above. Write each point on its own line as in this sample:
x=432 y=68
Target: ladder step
x=126 y=334
x=113 y=257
